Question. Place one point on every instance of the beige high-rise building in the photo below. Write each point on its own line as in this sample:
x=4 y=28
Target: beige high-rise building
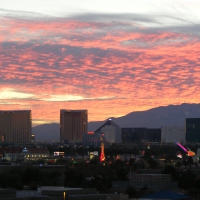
x=73 y=124
x=15 y=126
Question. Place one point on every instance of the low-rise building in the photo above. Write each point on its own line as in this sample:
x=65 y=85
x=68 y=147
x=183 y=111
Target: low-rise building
x=15 y=153
x=63 y=193
x=151 y=181
x=172 y=134
x=140 y=134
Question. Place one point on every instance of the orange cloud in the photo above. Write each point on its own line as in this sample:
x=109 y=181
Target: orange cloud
x=113 y=67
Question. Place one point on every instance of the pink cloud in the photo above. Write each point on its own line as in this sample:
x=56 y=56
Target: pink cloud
x=135 y=70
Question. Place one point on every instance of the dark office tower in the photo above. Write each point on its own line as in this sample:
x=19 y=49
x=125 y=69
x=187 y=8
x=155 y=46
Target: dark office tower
x=73 y=124
x=134 y=134
x=154 y=134
x=141 y=134
x=192 y=130
x=15 y=126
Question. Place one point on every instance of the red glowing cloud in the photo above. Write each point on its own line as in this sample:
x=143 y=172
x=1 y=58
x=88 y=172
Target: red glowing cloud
x=110 y=68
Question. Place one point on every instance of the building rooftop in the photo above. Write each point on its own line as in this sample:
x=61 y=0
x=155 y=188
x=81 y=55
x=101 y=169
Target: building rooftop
x=109 y=122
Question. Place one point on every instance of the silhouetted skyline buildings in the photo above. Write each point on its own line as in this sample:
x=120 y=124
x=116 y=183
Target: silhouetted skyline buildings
x=192 y=129
x=15 y=127
x=73 y=124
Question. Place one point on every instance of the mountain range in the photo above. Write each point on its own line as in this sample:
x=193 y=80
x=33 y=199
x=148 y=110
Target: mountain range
x=171 y=115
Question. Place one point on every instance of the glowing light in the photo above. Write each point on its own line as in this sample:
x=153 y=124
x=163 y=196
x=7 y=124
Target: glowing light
x=12 y=94
x=102 y=156
x=189 y=152
x=74 y=98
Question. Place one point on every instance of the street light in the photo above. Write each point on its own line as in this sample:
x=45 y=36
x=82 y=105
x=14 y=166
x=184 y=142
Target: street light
x=64 y=195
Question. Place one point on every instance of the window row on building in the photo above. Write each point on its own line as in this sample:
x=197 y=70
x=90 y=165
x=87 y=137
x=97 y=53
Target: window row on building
x=14 y=154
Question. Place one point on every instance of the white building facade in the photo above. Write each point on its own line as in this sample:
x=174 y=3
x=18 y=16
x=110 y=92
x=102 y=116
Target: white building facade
x=172 y=134
x=112 y=133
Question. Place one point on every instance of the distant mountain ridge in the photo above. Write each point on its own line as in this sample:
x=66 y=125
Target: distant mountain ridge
x=172 y=115
x=47 y=132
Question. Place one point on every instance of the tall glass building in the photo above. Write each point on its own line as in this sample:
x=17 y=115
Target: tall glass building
x=192 y=130
x=15 y=126
x=73 y=124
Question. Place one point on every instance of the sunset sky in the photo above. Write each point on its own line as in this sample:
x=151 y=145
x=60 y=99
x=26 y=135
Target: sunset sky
x=110 y=57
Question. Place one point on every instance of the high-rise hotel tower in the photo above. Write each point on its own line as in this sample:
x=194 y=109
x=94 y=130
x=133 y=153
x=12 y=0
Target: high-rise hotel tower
x=73 y=124
x=15 y=126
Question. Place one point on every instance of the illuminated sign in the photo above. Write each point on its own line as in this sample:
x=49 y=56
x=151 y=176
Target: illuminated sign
x=102 y=155
x=91 y=155
x=58 y=153
x=90 y=133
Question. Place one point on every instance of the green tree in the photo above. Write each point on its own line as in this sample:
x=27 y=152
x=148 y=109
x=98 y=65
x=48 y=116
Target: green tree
x=94 y=161
x=73 y=178
x=187 y=180
x=169 y=169
x=131 y=161
x=190 y=161
x=197 y=184
x=131 y=191
x=32 y=174
x=121 y=173
x=178 y=164
x=153 y=163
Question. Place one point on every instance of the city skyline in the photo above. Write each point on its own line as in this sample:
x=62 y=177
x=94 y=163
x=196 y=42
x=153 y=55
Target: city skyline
x=109 y=57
